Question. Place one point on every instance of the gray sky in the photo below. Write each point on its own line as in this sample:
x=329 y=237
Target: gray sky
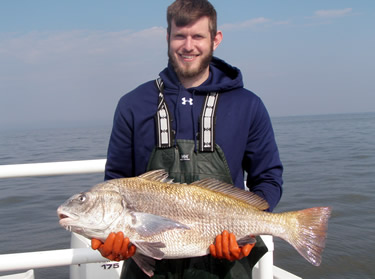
x=69 y=62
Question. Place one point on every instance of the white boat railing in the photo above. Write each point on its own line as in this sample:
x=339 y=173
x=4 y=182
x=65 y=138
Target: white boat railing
x=20 y=261
x=53 y=168
x=43 y=259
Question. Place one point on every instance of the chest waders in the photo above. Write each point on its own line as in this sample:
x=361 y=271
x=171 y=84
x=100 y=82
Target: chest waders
x=179 y=157
x=185 y=164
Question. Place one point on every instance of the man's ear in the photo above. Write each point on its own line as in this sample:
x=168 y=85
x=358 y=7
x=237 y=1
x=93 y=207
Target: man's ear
x=218 y=38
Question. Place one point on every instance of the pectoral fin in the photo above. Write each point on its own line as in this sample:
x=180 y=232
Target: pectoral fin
x=149 y=224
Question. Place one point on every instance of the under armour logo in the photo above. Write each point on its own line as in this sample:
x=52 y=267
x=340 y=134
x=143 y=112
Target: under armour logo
x=184 y=101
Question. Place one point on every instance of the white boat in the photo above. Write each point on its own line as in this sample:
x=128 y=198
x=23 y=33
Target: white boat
x=85 y=262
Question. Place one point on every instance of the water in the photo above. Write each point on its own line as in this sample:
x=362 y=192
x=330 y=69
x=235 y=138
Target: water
x=328 y=160
x=28 y=205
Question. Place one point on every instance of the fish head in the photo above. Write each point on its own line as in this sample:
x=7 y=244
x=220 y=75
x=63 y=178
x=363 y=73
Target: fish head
x=93 y=214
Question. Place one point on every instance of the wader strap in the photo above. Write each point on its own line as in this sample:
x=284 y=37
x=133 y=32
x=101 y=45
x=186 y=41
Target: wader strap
x=207 y=123
x=163 y=120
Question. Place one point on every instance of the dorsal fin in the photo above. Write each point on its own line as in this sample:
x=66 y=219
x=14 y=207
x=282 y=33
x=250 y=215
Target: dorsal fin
x=157 y=175
x=213 y=185
x=230 y=190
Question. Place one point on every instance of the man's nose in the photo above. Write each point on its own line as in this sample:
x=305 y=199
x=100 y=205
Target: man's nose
x=188 y=45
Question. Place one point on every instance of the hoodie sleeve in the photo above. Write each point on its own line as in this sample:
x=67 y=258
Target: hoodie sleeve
x=120 y=149
x=262 y=161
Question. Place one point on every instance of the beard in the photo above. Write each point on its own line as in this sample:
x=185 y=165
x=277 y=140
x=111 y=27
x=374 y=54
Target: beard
x=187 y=72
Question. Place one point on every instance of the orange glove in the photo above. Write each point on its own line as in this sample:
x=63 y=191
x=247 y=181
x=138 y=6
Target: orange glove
x=115 y=248
x=226 y=247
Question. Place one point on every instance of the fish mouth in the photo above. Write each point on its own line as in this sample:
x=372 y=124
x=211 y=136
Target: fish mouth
x=66 y=219
x=63 y=215
x=71 y=222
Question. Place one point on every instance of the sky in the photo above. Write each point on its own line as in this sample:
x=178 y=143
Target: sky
x=68 y=62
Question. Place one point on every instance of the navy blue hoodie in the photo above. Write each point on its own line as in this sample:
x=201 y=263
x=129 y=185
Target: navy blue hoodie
x=243 y=128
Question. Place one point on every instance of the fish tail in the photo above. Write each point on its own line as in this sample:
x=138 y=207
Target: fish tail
x=307 y=232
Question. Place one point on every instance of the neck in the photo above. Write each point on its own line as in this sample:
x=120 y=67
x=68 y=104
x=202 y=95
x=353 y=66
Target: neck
x=195 y=81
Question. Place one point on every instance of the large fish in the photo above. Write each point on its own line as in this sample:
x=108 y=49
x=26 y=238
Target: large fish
x=167 y=220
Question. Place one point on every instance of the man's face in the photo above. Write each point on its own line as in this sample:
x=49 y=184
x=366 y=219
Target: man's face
x=190 y=49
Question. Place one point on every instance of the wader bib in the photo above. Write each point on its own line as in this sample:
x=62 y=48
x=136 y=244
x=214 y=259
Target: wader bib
x=185 y=164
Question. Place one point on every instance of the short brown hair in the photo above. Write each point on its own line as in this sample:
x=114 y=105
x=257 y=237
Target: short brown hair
x=185 y=12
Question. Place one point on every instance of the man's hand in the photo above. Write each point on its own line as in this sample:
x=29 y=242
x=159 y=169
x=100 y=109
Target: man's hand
x=226 y=247
x=115 y=248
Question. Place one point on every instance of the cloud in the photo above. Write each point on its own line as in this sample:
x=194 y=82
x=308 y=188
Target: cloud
x=74 y=75
x=247 y=24
x=333 y=13
x=283 y=22
x=38 y=47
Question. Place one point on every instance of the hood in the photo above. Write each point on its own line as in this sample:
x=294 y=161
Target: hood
x=223 y=77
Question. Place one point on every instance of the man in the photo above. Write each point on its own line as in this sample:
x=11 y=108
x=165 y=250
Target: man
x=195 y=121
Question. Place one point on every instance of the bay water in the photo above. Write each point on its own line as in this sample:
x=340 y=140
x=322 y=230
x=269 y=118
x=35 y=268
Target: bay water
x=328 y=159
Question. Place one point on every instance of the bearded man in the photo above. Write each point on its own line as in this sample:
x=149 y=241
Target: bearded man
x=195 y=121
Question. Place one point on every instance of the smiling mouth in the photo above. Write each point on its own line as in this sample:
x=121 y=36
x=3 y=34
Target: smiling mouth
x=188 y=57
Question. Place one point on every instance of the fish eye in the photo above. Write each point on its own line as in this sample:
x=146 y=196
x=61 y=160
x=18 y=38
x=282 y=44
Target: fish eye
x=82 y=198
